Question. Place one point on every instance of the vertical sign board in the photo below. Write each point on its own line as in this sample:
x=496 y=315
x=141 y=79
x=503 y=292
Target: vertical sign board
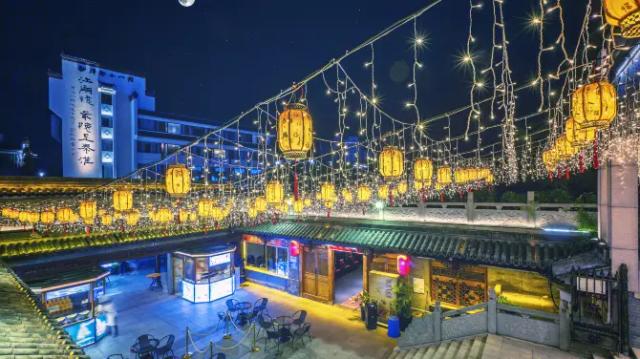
x=381 y=290
x=81 y=155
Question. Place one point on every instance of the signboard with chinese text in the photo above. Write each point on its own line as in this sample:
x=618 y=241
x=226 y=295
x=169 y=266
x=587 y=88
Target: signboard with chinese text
x=81 y=124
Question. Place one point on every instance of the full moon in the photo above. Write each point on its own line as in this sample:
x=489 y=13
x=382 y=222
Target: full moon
x=186 y=3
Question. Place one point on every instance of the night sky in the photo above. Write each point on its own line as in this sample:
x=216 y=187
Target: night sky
x=218 y=58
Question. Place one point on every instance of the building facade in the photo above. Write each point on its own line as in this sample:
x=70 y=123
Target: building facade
x=107 y=126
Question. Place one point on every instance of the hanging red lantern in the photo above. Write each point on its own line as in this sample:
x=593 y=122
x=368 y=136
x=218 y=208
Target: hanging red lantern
x=403 y=265
x=294 y=248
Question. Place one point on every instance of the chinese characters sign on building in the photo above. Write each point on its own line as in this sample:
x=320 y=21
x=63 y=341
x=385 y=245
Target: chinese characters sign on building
x=81 y=125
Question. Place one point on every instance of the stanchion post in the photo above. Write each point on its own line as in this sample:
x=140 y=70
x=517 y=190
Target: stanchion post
x=254 y=347
x=211 y=349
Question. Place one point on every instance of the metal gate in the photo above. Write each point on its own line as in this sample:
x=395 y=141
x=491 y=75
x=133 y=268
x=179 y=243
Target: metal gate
x=600 y=312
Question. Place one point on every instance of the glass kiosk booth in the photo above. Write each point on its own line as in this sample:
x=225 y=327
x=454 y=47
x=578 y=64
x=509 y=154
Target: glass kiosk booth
x=202 y=275
x=70 y=298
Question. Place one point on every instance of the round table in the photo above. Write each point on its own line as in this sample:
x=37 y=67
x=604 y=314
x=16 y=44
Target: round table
x=242 y=308
x=150 y=349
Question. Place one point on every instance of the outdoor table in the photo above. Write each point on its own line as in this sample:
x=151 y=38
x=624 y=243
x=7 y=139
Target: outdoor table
x=155 y=280
x=242 y=308
x=284 y=322
x=142 y=351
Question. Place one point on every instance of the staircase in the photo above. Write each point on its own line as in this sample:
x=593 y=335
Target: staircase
x=472 y=348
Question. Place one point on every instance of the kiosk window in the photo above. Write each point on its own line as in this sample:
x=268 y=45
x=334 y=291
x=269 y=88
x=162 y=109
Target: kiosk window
x=255 y=255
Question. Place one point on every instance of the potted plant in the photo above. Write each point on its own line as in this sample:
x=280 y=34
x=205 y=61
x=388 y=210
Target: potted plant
x=402 y=303
x=363 y=299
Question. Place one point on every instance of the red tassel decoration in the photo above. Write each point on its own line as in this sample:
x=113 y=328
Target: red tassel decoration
x=441 y=196
x=423 y=196
x=596 y=162
x=550 y=176
x=567 y=174
x=580 y=163
x=390 y=196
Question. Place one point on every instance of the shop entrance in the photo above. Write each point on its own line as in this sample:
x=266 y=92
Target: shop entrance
x=348 y=275
x=316 y=276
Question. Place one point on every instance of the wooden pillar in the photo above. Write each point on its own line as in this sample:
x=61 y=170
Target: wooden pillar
x=330 y=259
x=366 y=264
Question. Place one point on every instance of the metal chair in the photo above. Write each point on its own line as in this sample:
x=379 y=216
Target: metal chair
x=165 y=346
x=232 y=305
x=301 y=332
x=299 y=317
x=258 y=307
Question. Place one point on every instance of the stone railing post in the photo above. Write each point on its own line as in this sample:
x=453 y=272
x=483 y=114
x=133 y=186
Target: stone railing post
x=437 y=322
x=531 y=210
x=470 y=207
x=565 y=324
x=492 y=313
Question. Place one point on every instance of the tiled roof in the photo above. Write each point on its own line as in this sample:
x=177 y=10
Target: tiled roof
x=34 y=246
x=25 y=329
x=518 y=249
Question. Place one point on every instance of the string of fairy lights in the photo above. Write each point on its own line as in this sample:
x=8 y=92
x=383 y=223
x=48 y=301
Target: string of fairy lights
x=268 y=161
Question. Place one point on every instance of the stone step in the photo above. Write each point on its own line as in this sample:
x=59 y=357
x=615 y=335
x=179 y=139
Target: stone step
x=477 y=347
x=442 y=349
x=452 y=350
x=463 y=350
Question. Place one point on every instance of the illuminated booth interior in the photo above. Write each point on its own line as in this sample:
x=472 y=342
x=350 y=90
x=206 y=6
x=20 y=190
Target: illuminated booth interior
x=205 y=274
x=70 y=299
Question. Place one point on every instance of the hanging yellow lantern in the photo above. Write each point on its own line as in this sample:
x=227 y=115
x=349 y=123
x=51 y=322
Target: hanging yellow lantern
x=423 y=170
x=132 y=217
x=624 y=14
x=347 y=196
x=564 y=149
x=318 y=196
x=577 y=136
x=391 y=162
x=328 y=204
x=22 y=216
x=122 y=200
x=363 y=193
x=183 y=215
x=383 y=191
x=594 y=105
x=443 y=175
x=402 y=187
x=283 y=208
x=328 y=192
x=261 y=204
x=307 y=202
x=489 y=178
x=193 y=216
x=33 y=217
x=420 y=185
x=274 y=192
x=164 y=215
x=550 y=159
x=204 y=207
x=295 y=131
x=106 y=219
x=88 y=210
x=217 y=213
x=177 y=180
x=298 y=206
x=461 y=175
x=47 y=217
x=252 y=212
x=64 y=215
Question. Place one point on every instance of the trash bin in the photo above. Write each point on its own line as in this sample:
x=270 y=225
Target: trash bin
x=372 y=316
x=393 y=328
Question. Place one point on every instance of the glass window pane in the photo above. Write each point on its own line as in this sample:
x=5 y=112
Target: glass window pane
x=283 y=261
x=255 y=255
x=271 y=259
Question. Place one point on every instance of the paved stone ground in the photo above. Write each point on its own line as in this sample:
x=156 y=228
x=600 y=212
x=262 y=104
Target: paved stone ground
x=337 y=332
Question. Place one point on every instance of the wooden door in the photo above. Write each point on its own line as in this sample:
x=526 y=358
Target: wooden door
x=316 y=276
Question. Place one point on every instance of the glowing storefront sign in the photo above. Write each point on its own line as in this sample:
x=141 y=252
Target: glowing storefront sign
x=219 y=259
x=81 y=123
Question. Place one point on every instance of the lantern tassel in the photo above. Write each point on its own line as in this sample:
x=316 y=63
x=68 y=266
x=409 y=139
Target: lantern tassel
x=441 y=196
x=567 y=173
x=295 y=181
x=581 y=163
x=391 y=196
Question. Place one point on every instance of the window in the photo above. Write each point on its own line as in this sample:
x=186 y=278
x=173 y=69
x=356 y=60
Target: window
x=272 y=256
x=106 y=99
x=173 y=128
x=107 y=145
x=106 y=121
